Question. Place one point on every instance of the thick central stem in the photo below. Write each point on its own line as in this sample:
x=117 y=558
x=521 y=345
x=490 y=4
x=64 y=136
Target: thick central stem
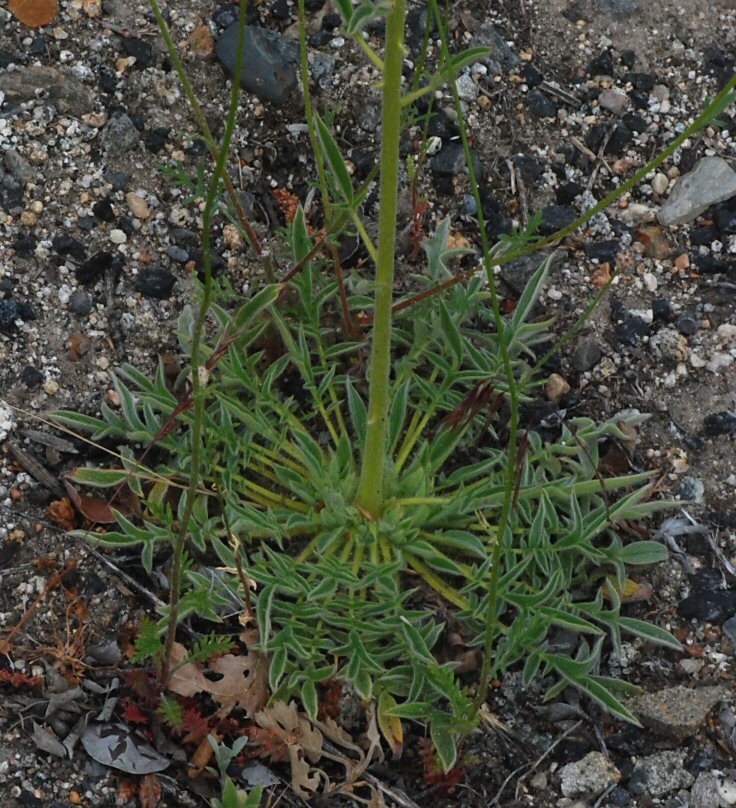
x=370 y=490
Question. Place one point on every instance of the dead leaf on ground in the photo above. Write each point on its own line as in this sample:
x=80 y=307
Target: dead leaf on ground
x=201 y=757
x=34 y=13
x=46 y=741
x=601 y=276
x=149 y=791
x=62 y=514
x=243 y=679
x=117 y=745
x=200 y=41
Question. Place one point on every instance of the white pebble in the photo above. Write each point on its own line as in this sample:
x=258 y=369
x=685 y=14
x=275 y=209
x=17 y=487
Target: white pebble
x=660 y=183
x=117 y=236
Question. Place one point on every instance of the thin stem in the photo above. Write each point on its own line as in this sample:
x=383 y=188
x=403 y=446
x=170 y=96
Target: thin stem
x=199 y=383
x=207 y=134
x=513 y=400
x=370 y=490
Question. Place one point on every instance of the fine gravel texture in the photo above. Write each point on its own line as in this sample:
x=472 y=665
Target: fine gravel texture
x=100 y=246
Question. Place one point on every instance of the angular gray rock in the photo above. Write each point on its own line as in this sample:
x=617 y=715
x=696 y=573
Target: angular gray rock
x=518 y=273
x=589 y=776
x=677 y=712
x=64 y=91
x=714 y=790
x=659 y=774
x=500 y=57
x=269 y=70
x=710 y=182
x=120 y=135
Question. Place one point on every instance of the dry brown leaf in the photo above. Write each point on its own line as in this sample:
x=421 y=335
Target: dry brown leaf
x=201 y=757
x=149 y=791
x=243 y=682
x=34 y=13
x=61 y=513
x=601 y=276
x=200 y=41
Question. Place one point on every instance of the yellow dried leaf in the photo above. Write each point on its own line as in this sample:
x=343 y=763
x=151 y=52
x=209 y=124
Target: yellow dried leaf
x=390 y=725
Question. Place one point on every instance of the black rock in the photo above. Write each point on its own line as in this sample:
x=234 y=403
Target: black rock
x=723 y=519
x=532 y=77
x=416 y=25
x=725 y=218
x=217 y=261
x=587 y=355
x=712 y=607
x=156 y=283
x=140 y=49
x=710 y=263
x=719 y=423
x=703 y=236
x=497 y=223
x=450 y=161
x=620 y=797
x=639 y=99
x=313 y=5
x=529 y=168
x=603 y=251
x=718 y=64
x=94 y=267
x=644 y=82
x=117 y=179
x=6 y=286
x=280 y=10
x=631 y=329
x=320 y=39
x=540 y=105
x=442 y=126
x=270 y=69
x=80 y=302
x=187 y=238
x=26 y=312
x=225 y=15
x=516 y=274
x=703 y=760
x=687 y=323
x=620 y=138
x=363 y=160
x=68 y=245
x=25 y=244
x=662 y=310
x=11 y=194
x=556 y=217
x=103 y=210
x=628 y=59
x=86 y=223
x=31 y=377
x=566 y=193
x=8 y=314
x=601 y=65
x=155 y=139
x=706 y=580
x=7 y=58
x=331 y=21
x=635 y=122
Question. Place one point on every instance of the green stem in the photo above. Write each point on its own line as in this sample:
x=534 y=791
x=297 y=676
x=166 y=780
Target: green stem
x=198 y=384
x=502 y=529
x=370 y=490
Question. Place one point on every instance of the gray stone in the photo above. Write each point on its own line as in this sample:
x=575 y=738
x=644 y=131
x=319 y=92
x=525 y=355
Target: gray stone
x=516 y=274
x=18 y=167
x=659 y=774
x=729 y=629
x=589 y=776
x=450 y=160
x=270 y=68
x=714 y=790
x=500 y=57
x=710 y=182
x=80 y=302
x=64 y=91
x=178 y=254
x=691 y=489
x=120 y=135
x=614 y=101
x=619 y=8
x=587 y=355
x=676 y=712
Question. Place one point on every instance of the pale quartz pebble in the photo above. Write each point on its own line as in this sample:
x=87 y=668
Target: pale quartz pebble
x=650 y=282
x=726 y=331
x=556 y=387
x=719 y=361
x=138 y=206
x=51 y=387
x=117 y=236
x=637 y=213
x=697 y=361
x=660 y=183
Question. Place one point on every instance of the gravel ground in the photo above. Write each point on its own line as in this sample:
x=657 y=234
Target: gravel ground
x=99 y=246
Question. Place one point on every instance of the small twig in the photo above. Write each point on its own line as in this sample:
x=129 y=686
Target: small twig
x=35 y=469
x=521 y=187
x=52 y=583
x=127 y=579
x=563 y=95
x=609 y=790
x=398 y=796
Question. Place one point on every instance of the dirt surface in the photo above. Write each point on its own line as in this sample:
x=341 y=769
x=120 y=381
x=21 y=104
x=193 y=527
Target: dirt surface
x=66 y=322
